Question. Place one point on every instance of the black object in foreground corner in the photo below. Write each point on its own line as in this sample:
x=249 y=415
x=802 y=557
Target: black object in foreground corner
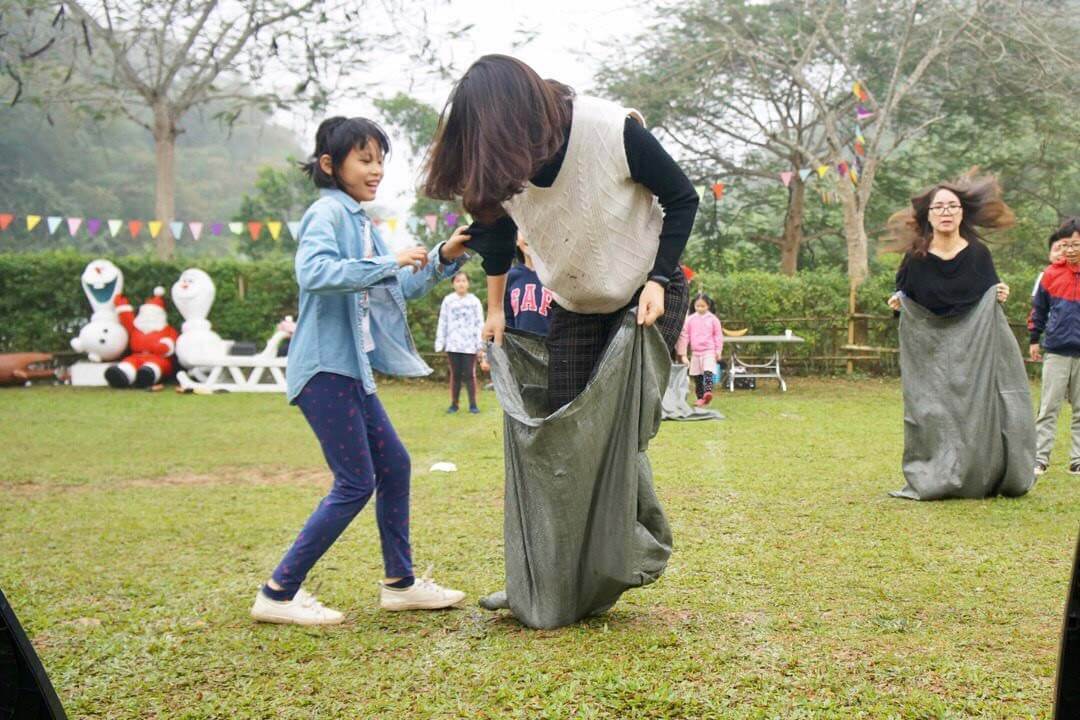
x=25 y=690
x=1067 y=702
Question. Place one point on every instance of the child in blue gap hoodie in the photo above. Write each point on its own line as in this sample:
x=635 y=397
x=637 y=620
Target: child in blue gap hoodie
x=1055 y=317
x=527 y=303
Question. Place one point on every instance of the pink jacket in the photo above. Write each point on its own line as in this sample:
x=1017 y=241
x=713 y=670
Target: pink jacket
x=702 y=333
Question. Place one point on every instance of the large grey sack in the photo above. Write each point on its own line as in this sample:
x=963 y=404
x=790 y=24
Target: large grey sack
x=969 y=429
x=582 y=522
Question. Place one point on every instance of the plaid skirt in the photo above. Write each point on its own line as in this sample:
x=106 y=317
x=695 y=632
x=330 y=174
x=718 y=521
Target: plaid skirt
x=576 y=341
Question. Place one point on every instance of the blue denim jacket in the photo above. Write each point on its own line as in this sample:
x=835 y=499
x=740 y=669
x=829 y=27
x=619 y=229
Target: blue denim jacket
x=331 y=270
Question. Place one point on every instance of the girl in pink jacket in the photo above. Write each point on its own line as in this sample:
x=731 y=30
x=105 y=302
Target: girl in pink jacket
x=706 y=341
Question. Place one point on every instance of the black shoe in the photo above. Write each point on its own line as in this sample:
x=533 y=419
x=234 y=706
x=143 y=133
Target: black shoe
x=1074 y=468
x=451 y=410
x=116 y=377
x=144 y=377
x=474 y=410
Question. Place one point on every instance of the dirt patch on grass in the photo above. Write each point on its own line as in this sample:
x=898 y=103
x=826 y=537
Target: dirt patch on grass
x=225 y=476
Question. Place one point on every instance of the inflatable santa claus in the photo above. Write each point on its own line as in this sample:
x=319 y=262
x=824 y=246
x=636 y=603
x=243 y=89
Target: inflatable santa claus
x=152 y=340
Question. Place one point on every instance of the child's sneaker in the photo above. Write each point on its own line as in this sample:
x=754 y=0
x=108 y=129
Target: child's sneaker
x=700 y=402
x=1040 y=469
x=423 y=594
x=1074 y=468
x=707 y=398
x=303 y=609
x=474 y=410
x=451 y=410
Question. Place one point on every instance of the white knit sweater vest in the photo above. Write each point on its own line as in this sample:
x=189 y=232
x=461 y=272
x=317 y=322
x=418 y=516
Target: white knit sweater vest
x=594 y=233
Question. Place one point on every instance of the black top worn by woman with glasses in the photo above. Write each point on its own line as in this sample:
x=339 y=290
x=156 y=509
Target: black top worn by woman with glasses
x=948 y=287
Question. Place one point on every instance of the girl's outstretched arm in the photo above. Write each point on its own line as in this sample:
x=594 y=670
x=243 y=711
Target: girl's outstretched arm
x=415 y=284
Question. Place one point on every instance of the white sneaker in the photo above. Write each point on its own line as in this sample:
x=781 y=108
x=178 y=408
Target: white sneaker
x=303 y=609
x=424 y=594
x=1040 y=469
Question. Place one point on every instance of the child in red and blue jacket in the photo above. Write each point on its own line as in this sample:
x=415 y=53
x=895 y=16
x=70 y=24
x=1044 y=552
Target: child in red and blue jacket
x=1055 y=318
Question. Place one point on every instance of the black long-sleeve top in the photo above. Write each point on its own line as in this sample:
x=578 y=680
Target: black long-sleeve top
x=650 y=165
x=948 y=287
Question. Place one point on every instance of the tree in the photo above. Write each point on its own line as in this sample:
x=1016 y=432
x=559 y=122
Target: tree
x=722 y=108
x=880 y=62
x=281 y=193
x=154 y=62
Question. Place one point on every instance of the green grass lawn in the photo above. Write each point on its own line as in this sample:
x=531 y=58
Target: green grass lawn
x=136 y=527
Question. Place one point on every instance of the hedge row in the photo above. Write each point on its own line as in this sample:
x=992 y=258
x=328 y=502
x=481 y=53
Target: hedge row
x=43 y=306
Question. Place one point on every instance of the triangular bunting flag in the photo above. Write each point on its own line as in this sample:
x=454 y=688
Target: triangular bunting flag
x=432 y=221
x=822 y=169
x=702 y=191
x=32 y=221
x=805 y=173
x=860 y=149
x=93 y=225
x=275 y=229
x=785 y=177
x=115 y=226
x=155 y=228
x=412 y=223
x=451 y=219
x=73 y=225
x=236 y=228
x=254 y=229
x=294 y=229
x=53 y=222
x=860 y=92
x=842 y=168
x=216 y=228
x=176 y=228
x=392 y=223
x=377 y=221
x=5 y=220
x=135 y=227
x=854 y=176
x=718 y=190
x=862 y=113
x=195 y=228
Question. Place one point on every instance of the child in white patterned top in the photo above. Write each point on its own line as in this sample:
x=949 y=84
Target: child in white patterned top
x=461 y=321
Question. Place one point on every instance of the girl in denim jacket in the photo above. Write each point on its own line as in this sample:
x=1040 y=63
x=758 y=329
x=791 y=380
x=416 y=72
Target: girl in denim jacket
x=352 y=320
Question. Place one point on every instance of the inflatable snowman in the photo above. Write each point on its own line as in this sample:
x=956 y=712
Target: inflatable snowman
x=199 y=345
x=104 y=338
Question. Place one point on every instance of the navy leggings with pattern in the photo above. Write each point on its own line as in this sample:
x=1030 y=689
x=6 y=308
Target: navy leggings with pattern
x=366 y=457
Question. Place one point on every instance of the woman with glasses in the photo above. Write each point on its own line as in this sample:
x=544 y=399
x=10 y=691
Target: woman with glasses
x=946 y=267
x=968 y=424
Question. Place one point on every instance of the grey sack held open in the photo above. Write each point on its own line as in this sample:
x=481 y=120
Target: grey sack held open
x=969 y=429
x=582 y=523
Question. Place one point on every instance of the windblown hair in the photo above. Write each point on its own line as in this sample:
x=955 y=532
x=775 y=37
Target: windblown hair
x=336 y=137
x=983 y=208
x=500 y=125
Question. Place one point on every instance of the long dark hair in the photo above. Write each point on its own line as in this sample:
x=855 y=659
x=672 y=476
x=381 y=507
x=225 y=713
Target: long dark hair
x=336 y=137
x=500 y=125
x=980 y=197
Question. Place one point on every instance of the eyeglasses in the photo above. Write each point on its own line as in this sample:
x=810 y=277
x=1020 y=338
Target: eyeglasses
x=950 y=209
x=1069 y=246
